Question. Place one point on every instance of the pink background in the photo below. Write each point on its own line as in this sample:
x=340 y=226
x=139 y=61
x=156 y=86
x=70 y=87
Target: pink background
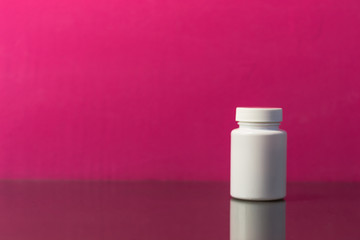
x=148 y=89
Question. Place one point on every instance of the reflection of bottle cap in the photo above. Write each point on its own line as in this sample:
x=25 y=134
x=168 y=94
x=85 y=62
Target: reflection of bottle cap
x=257 y=220
x=258 y=114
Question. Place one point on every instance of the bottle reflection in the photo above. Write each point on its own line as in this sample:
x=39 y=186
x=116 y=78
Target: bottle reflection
x=257 y=220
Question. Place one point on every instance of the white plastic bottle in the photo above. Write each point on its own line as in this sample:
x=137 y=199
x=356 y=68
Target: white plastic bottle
x=258 y=155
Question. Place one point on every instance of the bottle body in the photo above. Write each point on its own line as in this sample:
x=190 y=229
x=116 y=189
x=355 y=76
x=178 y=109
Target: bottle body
x=258 y=162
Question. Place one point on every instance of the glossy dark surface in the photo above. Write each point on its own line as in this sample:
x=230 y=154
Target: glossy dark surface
x=174 y=211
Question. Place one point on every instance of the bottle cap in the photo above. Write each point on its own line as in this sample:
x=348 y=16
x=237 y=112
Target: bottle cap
x=258 y=114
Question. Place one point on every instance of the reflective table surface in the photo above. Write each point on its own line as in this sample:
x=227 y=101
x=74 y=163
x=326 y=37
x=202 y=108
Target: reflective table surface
x=174 y=210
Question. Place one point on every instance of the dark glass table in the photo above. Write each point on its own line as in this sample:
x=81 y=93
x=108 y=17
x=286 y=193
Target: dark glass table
x=174 y=210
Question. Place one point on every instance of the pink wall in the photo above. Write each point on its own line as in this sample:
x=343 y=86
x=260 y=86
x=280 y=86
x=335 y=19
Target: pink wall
x=148 y=89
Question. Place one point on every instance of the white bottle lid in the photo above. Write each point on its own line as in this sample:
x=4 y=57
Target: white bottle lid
x=258 y=114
